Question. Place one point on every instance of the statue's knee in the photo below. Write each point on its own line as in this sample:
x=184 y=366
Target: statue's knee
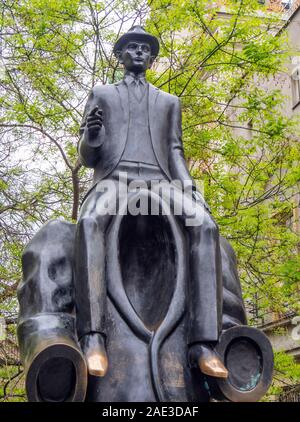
x=87 y=224
x=54 y=224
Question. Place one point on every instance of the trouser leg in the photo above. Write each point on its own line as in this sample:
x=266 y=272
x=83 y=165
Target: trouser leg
x=90 y=289
x=205 y=287
x=205 y=281
x=90 y=283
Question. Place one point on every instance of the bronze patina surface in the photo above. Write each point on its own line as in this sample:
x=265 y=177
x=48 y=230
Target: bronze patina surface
x=133 y=307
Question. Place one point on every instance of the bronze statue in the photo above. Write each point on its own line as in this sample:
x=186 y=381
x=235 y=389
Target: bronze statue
x=158 y=309
x=135 y=128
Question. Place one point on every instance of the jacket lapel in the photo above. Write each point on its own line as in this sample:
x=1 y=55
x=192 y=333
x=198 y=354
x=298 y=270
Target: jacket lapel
x=152 y=100
x=123 y=93
x=153 y=93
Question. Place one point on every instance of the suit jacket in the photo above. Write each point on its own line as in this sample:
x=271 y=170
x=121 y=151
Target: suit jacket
x=106 y=151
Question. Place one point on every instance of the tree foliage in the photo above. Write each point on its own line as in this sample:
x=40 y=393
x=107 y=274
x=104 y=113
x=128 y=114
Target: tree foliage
x=220 y=72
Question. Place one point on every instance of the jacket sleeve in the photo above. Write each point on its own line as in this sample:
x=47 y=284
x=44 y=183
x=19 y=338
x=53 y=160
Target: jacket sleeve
x=89 y=151
x=177 y=162
x=178 y=166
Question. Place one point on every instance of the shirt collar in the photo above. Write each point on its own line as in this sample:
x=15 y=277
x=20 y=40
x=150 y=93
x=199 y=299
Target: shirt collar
x=130 y=77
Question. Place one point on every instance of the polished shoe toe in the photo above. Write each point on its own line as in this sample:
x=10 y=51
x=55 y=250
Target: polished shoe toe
x=97 y=364
x=213 y=366
x=93 y=347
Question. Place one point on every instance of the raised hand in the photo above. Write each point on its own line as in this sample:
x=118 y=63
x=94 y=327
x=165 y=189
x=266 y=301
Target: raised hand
x=94 y=122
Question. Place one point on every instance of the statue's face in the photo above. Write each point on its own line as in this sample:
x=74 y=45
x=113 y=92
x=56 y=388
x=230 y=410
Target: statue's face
x=136 y=56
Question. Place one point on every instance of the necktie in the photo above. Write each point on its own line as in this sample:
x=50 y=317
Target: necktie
x=138 y=89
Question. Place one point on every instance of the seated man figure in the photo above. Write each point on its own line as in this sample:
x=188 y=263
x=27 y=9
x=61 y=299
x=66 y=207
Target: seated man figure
x=133 y=127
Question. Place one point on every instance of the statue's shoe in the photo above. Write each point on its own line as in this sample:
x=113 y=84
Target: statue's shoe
x=95 y=354
x=97 y=363
x=212 y=366
x=203 y=356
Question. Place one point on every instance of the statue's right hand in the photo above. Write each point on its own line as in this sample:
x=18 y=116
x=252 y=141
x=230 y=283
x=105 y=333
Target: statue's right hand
x=94 y=122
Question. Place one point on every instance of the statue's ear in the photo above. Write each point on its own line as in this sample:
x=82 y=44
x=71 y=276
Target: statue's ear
x=119 y=56
x=152 y=61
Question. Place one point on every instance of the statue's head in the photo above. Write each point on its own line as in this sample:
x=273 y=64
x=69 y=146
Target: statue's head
x=136 y=49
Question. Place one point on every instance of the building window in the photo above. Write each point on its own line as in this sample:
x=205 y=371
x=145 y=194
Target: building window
x=295 y=78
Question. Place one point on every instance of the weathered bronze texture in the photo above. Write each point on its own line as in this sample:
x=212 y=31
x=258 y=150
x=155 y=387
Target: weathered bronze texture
x=54 y=365
x=136 y=307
